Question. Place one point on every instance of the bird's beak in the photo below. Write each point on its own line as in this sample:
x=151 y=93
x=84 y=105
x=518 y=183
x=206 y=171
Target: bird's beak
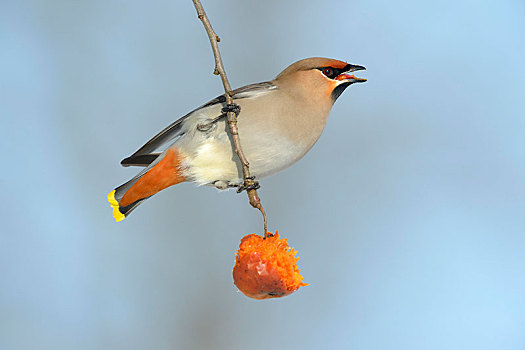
x=348 y=78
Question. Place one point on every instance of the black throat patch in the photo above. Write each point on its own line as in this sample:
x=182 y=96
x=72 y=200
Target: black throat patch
x=339 y=90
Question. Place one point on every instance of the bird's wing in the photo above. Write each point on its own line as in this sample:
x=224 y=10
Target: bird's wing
x=160 y=142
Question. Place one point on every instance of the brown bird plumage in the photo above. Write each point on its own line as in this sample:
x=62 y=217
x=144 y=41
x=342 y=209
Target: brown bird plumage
x=280 y=121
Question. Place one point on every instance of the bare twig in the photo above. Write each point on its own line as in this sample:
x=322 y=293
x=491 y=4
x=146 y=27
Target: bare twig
x=249 y=182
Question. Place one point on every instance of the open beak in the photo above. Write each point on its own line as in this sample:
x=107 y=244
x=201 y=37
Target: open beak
x=348 y=78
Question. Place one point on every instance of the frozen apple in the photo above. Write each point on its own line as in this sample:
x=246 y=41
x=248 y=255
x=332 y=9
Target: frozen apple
x=266 y=267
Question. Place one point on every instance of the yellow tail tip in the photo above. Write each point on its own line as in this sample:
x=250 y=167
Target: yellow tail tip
x=114 y=204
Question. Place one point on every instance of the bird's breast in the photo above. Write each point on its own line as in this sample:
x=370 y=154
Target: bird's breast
x=274 y=135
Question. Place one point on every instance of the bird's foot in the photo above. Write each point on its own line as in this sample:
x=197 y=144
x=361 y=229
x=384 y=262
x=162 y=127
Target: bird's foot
x=254 y=186
x=231 y=107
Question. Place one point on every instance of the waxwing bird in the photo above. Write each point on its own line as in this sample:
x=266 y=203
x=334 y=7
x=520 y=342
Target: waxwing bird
x=280 y=120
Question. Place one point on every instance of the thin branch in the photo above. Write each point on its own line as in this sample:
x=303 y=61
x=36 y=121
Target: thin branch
x=249 y=182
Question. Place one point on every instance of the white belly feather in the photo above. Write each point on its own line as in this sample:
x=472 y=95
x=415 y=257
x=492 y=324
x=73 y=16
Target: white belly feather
x=214 y=160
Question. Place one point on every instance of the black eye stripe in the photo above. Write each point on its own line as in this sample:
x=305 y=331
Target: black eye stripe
x=330 y=72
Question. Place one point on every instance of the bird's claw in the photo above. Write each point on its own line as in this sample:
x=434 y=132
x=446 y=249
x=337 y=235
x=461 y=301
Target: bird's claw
x=254 y=186
x=231 y=107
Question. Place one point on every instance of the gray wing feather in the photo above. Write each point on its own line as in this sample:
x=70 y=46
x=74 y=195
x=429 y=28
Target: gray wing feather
x=144 y=155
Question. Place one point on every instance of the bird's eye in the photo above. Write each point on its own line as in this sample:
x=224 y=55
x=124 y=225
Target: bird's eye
x=329 y=72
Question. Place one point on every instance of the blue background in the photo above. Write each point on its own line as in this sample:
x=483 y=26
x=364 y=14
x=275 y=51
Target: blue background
x=408 y=214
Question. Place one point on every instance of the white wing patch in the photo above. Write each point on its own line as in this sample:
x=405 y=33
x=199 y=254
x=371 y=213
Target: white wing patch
x=256 y=92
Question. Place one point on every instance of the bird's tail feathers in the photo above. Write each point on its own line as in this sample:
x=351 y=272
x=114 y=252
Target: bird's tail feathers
x=164 y=172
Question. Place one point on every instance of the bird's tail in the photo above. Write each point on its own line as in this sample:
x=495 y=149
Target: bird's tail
x=164 y=172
